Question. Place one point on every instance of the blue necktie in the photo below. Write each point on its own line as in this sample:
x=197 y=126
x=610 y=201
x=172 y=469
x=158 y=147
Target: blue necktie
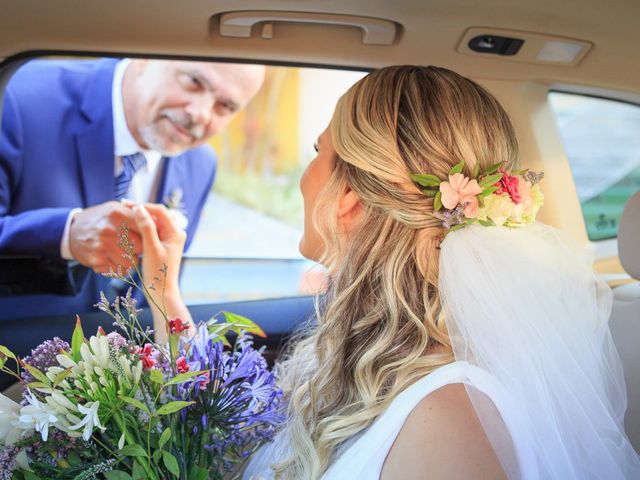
x=131 y=164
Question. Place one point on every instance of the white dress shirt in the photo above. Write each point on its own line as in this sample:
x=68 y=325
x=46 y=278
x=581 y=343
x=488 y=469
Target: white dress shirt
x=144 y=184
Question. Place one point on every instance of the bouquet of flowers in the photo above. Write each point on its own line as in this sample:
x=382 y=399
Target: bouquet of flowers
x=120 y=406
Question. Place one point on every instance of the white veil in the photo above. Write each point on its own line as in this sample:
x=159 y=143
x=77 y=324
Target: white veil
x=524 y=305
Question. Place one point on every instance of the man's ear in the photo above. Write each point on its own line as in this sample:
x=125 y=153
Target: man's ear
x=349 y=208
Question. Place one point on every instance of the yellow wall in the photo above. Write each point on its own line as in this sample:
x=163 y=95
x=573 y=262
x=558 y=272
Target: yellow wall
x=264 y=137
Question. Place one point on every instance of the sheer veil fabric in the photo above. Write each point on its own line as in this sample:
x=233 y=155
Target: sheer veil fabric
x=524 y=305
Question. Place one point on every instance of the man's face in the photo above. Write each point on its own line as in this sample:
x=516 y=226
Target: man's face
x=172 y=106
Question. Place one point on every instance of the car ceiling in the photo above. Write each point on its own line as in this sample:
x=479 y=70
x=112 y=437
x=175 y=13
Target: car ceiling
x=429 y=33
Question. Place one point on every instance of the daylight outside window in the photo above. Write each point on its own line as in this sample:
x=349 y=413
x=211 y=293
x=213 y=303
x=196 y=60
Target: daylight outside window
x=602 y=141
x=246 y=246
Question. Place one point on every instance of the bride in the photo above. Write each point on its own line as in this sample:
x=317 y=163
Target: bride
x=458 y=338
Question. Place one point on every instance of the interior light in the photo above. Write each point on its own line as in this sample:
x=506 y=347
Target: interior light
x=557 y=51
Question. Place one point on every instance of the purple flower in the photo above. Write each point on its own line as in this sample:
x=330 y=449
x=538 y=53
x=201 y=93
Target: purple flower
x=44 y=356
x=238 y=405
x=8 y=461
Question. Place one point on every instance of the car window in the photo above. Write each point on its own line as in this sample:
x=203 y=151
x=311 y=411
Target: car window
x=602 y=142
x=66 y=124
x=246 y=246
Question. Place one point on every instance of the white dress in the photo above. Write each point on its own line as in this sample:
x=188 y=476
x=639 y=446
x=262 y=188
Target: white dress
x=363 y=456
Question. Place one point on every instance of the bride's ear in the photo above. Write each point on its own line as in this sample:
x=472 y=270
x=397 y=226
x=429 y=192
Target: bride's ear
x=349 y=210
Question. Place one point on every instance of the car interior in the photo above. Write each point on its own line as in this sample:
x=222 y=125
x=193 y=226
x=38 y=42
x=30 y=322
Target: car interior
x=521 y=51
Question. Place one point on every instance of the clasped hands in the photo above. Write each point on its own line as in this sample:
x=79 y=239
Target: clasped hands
x=95 y=237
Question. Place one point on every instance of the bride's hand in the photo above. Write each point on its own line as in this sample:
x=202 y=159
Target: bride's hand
x=162 y=244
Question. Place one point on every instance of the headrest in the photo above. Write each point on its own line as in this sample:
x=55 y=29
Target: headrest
x=629 y=237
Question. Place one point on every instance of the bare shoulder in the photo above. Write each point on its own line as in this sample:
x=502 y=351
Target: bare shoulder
x=442 y=439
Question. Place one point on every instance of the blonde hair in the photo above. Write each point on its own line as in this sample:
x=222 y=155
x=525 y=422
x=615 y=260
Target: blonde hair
x=380 y=326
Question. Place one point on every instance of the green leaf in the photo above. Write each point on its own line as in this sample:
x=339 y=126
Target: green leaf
x=137 y=472
x=61 y=376
x=7 y=353
x=183 y=377
x=133 y=451
x=430 y=192
x=221 y=338
x=31 y=476
x=77 y=340
x=135 y=403
x=493 y=168
x=172 y=407
x=164 y=438
x=37 y=374
x=457 y=168
x=34 y=385
x=239 y=322
x=488 y=191
x=490 y=180
x=457 y=227
x=198 y=473
x=156 y=377
x=476 y=170
x=487 y=223
x=155 y=456
x=117 y=475
x=171 y=463
x=437 y=201
x=425 y=179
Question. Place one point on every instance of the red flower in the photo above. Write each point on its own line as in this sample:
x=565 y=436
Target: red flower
x=509 y=184
x=147 y=354
x=177 y=325
x=181 y=365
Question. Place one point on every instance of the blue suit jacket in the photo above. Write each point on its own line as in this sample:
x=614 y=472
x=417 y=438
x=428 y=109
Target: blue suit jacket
x=57 y=153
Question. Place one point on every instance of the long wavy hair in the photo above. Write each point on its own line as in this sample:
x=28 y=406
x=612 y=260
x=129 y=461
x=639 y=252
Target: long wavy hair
x=380 y=326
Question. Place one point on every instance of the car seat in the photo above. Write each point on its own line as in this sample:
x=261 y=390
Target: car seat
x=625 y=316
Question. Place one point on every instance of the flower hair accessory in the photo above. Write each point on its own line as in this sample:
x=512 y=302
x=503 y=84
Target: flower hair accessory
x=493 y=197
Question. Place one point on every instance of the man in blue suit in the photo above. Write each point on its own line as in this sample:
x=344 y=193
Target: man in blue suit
x=77 y=137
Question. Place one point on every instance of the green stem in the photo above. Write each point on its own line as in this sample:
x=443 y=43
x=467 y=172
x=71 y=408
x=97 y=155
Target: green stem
x=144 y=462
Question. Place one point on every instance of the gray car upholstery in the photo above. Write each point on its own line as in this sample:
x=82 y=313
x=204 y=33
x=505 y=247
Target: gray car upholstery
x=625 y=317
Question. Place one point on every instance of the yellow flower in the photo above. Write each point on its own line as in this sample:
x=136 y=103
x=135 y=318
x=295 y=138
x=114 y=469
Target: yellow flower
x=497 y=208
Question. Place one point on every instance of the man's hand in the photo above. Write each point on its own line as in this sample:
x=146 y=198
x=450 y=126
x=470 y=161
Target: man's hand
x=94 y=236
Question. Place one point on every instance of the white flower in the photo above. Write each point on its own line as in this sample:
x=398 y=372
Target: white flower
x=179 y=218
x=90 y=421
x=37 y=415
x=98 y=355
x=137 y=372
x=60 y=403
x=67 y=362
x=9 y=423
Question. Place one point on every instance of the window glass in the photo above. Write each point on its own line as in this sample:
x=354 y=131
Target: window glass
x=602 y=141
x=247 y=241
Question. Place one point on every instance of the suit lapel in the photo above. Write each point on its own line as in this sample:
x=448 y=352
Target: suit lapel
x=94 y=140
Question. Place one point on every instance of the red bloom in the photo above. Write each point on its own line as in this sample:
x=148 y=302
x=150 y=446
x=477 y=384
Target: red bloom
x=181 y=365
x=177 y=325
x=147 y=354
x=509 y=184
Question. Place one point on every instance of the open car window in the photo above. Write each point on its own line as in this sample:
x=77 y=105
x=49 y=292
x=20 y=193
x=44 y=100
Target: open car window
x=602 y=142
x=246 y=246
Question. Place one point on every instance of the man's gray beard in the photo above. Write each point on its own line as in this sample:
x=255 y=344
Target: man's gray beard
x=154 y=142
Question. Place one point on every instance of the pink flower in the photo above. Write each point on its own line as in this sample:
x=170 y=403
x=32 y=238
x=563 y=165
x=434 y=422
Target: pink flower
x=509 y=184
x=460 y=189
x=524 y=189
x=471 y=208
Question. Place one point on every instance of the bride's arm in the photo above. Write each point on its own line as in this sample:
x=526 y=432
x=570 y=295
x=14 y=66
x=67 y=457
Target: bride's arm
x=442 y=439
x=162 y=245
